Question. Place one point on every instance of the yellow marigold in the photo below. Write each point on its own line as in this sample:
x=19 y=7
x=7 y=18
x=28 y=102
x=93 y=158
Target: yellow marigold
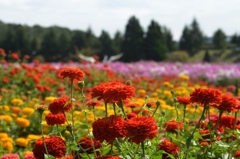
x=27 y=152
x=16 y=110
x=6 y=118
x=49 y=99
x=167 y=93
x=154 y=94
x=3 y=135
x=183 y=77
x=16 y=101
x=8 y=146
x=141 y=91
x=22 y=122
x=33 y=137
x=28 y=111
x=22 y=142
x=4 y=107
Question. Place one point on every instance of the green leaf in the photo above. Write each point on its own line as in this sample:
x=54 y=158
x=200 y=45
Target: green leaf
x=105 y=150
x=188 y=141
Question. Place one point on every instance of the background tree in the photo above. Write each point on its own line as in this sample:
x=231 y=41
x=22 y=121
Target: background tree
x=186 y=41
x=117 y=42
x=154 y=44
x=197 y=36
x=78 y=40
x=21 y=41
x=219 y=39
x=169 y=39
x=64 y=47
x=235 y=39
x=207 y=57
x=106 y=45
x=133 y=41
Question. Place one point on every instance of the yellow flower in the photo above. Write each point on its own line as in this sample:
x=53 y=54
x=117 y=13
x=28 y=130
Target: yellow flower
x=6 y=118
x=183 y=77
x=16 y=110
x=142 y=91
x=28 y=111
x=167 y=94
x=3 y=135
x=22 y=142
x=49 y=99
x=33 y=137
x=16 y=101
x=22 y=122
x=4 y=107
x=27 y=152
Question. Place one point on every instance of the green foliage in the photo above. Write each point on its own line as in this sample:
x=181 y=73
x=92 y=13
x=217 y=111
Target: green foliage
x=178 y=56
x=106 y=45
x=207 y=57
x=219 y=40
x=154 y=43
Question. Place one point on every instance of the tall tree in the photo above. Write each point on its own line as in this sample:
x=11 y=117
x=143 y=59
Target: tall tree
x=169 y=39
x=133 y=41
x=197 y=36
x=154 y=43
x=64 y=45
x=117 y=42
x=78 y=40
x=186 y=42
x=21 y=41
x=219 y=39
x=7 y=41
x=106 y=45
x=235 y=39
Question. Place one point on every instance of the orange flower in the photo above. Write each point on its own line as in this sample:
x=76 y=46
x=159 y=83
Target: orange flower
x=183 y=100
x=15 y=56
x=72 y=73
x=206 y=96
x=172 y=126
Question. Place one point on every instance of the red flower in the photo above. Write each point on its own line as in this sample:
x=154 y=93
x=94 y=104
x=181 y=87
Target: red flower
x=237 y=154
x=206 y=135
x=133 y=105
x=59 y=105
x=229 y=103
x=56 y=147
x=143 y=112
x=5 y=79
x=141 y=128
x=112 y=92
x=169 y=147
x=109 y=128
x=93 y=103
x=172 y=126
x=15 y=56
x=151 y=104
x=183 y=100
x=2 y=52
x=72 y=73
x=206 y=96
x=52 y=119
x=227 y=121
x=89 y=145
x=108 y=157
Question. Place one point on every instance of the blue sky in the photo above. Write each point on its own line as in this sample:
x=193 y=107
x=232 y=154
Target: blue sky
x=112 y=15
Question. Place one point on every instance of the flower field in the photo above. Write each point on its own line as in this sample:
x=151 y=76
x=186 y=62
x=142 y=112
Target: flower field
x=110 y=111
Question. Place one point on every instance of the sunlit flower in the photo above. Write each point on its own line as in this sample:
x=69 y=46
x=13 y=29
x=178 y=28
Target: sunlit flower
x=28 y=111
x=22 y=142
x=183 y=100
x=53 y=119
x=16 y=101
x=229 y=103
x=49 y=99
x=169 y=147
x=6 y=118
x=172 y=126
x=22 y=122
x=72 y=73
x=60 y=105
x=10 y=156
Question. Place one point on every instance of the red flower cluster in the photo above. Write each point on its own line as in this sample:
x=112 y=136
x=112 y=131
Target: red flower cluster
x=237 y=154
x=72 y=73
x=172 y=126
x=227 y=121
x=141 y=128
x=59 y=105
x=2 y=52
x=56 y=147
x=169 y=147
x=229 y=103
x=93 y=103
x=109 y=128
x=206 y=96
x=15 y=56
x=183 y=100
x=53 y=119
x=206 y=136
x=89 y=145
x=112 y=92
x=108 y=157
x=133 y=105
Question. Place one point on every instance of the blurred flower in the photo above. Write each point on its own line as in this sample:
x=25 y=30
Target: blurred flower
x=22 y=142
x=59 y=105
x=3 y=135
x=29 y=156
x=109 y=128
x=22 y=122
x=237 y=154
x=227 y=121
x=49 y=99
x=133 y=105
x=16 y=101
x=108 y=157
x=28 y=111
x=229 y=103
x=6 y=118
x=93 y=103
x=141 y=128
x=89 y=145
x=169 y=147
x=72 y=73
x=183 y=100
x=10 y=156
x=16 y=110
x=15 y=56
x=172 y=126
x=56 y=147
x=53 y=119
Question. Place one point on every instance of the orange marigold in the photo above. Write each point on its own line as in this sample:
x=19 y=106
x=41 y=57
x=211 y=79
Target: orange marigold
x=141 y=128
x=206 y=96
x=109 y=128
x=72 y=73
x=169 y=147
x=59 y=105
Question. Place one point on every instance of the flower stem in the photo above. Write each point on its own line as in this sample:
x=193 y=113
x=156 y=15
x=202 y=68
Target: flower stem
x=219 y=117
x=143 y=149
x=106 y=110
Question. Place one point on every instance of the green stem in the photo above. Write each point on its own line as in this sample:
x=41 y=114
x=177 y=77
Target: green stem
x=184 y=112
x=122 y=108
x=219 y=118
x=106 y=110
x=143 y=149
x=158 y=104
x=71 y=103
x=114 y=108
x=235 y=121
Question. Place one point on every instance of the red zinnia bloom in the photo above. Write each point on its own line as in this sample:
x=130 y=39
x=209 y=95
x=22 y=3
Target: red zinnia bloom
x=2 y=52
x=206 y=135
x=29 y=156
x=56 y=147
x=183 y=100
x=143 y=112
x=89 y=145
x=112 y=92
x=72 y=73
x=172 y=126
x=150 y=104
x=229 y=103
x=141 y=128
x=108 y=157
x=59 y=105
x=15 y=56
x=10 y=156
x=52 y=119
x=169 y=147
x=109 y=128
x=68 y=157
x=93 y=103
x=227 y=121
x=5 y=79
x=206 y=96
x=237 y=154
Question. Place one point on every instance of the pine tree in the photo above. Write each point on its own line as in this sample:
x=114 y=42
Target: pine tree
x=219 y=39
x=117 y=42
x=186 y=42
x=154 y=43
x=133 y=41
x=106 y=45
x=169 y=39
x=197 y=36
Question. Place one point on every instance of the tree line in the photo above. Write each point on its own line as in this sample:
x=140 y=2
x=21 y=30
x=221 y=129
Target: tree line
x=55 y=43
